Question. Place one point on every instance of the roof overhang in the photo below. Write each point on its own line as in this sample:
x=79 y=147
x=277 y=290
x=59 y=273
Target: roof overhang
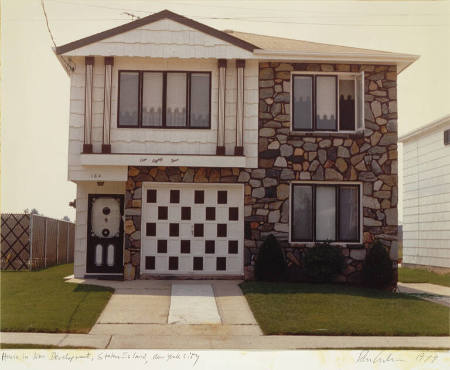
x=401 y=60
x=425 y=129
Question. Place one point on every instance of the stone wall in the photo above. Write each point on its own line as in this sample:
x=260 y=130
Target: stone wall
x=369 y=157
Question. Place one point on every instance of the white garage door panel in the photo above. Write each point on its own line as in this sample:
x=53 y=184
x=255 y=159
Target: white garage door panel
x=212 y=239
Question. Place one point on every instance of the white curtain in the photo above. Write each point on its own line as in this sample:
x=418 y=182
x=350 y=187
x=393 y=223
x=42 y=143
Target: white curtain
x=325 y=213
x=176 y=100
x=152 y=90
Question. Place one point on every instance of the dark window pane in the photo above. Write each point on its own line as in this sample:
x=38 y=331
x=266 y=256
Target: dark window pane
x=210 y=246
x=150 y=263
x=150 y=229
x=199 y=197
x=326 y=103
x=176 y=100
x=152 y=90
x=347 y=105
x=162 y=246
x=348 y=213
x=222 y=197
x=185 y=246
x=199 y=100
x=198 y=229
x=210 y=213
x=221 y=230
x=233 y=246
x=221 y=264
x=325 y=213
x=174 y=196
x=302 y=105
x=174 y=229
x=233 y=214
x=185 y=213
x=198 y=263
x=173 y=263
x=129 y=98
x=151 y=196
x=302 y=212
x=162 y=213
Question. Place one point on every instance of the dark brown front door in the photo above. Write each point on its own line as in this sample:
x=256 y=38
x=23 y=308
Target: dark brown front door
x=105 y=233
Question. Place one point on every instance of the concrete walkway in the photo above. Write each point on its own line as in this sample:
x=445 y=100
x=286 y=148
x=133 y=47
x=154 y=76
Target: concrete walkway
x=431 y=292
x=142 y=308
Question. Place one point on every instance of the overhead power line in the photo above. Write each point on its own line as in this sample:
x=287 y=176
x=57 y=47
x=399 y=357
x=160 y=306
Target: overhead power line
x=67 y=66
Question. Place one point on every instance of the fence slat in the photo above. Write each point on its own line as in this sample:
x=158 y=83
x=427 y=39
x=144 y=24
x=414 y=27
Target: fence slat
x=62 y=242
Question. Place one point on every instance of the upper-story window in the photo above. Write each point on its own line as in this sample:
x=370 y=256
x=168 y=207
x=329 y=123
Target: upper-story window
x=327 y=102
x=164 y=99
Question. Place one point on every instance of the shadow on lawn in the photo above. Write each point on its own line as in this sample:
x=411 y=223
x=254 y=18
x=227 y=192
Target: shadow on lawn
x=316 y=288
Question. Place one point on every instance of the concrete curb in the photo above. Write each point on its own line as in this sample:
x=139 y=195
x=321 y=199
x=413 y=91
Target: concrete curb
x=275 y=342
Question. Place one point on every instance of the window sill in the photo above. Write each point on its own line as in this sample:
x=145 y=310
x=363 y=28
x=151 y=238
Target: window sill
x=338 y=134
x=166 y=160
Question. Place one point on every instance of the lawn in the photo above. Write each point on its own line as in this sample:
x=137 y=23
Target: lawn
x=41 y=301
x=407 y=275
x=321 y=309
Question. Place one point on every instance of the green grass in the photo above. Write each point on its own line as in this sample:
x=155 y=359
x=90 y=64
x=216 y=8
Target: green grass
x=321 y=309
x=41 y=301
x=408 y=275
x=36 y=346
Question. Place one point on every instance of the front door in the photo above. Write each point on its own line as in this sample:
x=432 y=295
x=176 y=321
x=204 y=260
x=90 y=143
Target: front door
x=105 y=233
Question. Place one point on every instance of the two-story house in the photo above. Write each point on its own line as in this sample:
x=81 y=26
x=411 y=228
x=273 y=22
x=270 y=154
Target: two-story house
x=190 y=145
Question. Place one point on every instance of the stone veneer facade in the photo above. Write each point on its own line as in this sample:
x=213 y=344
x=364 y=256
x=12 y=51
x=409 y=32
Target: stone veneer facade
x=368 y=157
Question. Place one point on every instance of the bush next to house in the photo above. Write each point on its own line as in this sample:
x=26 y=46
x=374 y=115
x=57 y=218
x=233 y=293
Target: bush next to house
x=323 y=262
x=270 y=263
x=377 y=269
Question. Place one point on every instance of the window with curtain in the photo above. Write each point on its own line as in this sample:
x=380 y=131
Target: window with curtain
x=160 y=99
x=326 y=102
x=323 y=212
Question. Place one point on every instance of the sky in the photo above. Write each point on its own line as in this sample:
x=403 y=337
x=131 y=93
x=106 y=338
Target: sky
x=35 y=88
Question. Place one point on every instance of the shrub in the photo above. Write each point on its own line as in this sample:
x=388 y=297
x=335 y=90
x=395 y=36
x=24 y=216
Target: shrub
x=270 y=263
x=323 y=262
x=377 y=269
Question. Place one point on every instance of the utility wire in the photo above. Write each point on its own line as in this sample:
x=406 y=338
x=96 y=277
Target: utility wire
x=69 y=68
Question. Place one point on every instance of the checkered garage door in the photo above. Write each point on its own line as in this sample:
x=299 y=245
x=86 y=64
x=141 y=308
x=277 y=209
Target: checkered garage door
x=195 y=229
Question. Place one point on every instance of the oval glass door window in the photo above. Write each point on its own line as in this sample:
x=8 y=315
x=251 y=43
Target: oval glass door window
x=98 y=255
x=110 y=255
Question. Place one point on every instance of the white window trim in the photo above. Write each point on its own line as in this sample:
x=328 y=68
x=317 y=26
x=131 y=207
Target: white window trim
x=340 y=75
x=361 y=215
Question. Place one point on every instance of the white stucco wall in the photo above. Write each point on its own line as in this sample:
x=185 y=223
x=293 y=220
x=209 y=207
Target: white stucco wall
x=426 y=199
x=83 y=189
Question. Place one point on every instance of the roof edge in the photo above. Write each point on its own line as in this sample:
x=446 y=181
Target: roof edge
x=421 y=130
x=164 y=14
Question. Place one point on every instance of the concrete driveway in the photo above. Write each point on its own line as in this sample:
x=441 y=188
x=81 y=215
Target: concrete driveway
x=143 y=308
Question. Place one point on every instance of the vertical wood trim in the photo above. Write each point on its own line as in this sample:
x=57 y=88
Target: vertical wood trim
x=67 y=242
x=240 y=65
x=106 y=146
x=88 y=89
x=222 y=63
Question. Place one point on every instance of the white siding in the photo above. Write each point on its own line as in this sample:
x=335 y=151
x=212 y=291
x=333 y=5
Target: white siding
x=160 y=141
x=426 y=199
x=163 y=39
x=83 y=190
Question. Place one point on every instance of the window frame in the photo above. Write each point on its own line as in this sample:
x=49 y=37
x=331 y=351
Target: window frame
x=164 y=99
x=335 y=185
x=339 y=76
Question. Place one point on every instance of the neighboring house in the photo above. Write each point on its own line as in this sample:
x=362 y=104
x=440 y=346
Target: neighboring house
x=426 y=195
x=208 y=141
